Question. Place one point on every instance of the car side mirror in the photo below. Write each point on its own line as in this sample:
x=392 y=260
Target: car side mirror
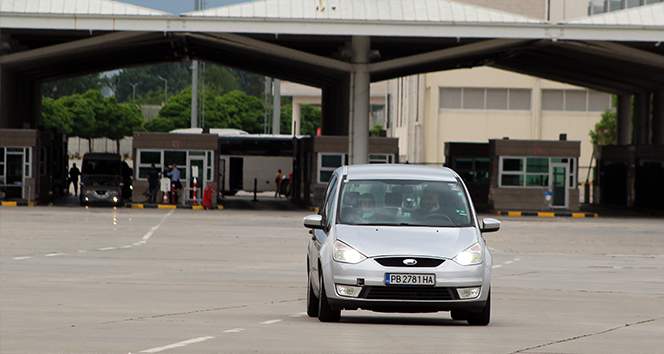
x=490 y=225
x=313 y=222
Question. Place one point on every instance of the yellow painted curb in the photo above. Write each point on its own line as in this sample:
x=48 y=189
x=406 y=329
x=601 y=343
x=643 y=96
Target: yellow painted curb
x=32 y=204
x=9 y=204
x=137 y=206
x=546 y=214
x=197 y=207
x=513 y=214
x=315 y=210
x=166 y=206
x=578 y=215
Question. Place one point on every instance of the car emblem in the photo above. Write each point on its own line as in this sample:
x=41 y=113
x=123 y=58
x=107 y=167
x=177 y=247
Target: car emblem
x=410 y=261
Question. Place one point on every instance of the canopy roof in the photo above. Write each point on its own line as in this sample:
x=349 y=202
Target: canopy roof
x=76 y=7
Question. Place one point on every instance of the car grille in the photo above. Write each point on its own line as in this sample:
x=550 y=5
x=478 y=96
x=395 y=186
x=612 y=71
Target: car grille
x=408 y=293
x=398 y=262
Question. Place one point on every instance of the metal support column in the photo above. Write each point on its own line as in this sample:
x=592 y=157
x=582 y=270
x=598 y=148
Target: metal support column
x=624 y=119
x=359 y=115
x=276 y=107
x=641 y=118
x=296 y=118
x=658 y=118
x=194 y=94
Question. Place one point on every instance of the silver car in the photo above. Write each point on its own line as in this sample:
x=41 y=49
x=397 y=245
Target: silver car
x=398 y=238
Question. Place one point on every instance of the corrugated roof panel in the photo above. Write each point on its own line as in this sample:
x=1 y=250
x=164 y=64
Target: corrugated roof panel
x=76 y=7
x=647 y=15
x=363 y=10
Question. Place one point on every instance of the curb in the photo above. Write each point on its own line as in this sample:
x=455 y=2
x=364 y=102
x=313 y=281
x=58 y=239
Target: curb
x=169 y=206
x=547 y=214
x=17 y=203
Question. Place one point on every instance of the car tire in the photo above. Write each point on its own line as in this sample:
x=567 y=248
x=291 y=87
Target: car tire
x=326 y=312
x=312 y=300
x=483 y=317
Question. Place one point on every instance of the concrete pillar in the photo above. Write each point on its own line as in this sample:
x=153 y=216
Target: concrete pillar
x=20 y=101
x=641 y=119
x=194 y=94
x=296 y=121
x=359 y=115
x=624 y=119
x=658 y=118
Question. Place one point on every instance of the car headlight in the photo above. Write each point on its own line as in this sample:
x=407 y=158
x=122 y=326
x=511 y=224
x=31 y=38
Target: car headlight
x=346 y=254
x=470 y=256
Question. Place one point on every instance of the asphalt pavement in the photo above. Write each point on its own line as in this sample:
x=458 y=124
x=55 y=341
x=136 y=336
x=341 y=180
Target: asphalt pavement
x=77 y=280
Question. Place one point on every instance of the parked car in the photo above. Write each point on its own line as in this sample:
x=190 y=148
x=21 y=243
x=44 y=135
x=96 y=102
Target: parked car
x=101 y=179
x=398 y=238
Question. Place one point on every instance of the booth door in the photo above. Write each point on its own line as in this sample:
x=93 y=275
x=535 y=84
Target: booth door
x=559 y=185
x=197 y=171
x=15 y=173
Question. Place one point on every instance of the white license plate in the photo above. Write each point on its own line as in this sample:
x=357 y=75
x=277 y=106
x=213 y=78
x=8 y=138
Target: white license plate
x=410 y=279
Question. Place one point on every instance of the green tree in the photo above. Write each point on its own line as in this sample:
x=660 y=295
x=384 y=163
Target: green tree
x=218 y=79
x=605 y=132
x=310 y=116
x=376 y=130
x=235 y=109
x=55 y=117
x=149 y=86
x=82 y=116
x=72 y=86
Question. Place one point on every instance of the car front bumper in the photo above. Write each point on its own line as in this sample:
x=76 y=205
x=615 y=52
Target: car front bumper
x=370 y=275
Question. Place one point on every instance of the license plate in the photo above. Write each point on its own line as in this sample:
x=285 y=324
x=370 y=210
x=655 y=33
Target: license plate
x=410 y=279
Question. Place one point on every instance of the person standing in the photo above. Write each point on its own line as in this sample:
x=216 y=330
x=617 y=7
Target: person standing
x=153 y=184
x=277 y=182
x=74 y=174
x=176 y=185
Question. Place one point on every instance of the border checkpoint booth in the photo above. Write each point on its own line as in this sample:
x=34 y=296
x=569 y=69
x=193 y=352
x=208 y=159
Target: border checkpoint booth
x=525 y=175
x=33 y=165
x=189 y=152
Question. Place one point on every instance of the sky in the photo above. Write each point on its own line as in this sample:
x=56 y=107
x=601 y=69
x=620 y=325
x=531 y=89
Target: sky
x=179 y=6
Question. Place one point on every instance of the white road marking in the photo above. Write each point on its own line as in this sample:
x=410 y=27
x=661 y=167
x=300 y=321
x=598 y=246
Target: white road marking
x=55 y=254
x=144 y=239
x=509 y=262
x=299 y=314
x=517 y=259
x=269 y=322
x=177 y=345
x=234 y=330
x=497 y=266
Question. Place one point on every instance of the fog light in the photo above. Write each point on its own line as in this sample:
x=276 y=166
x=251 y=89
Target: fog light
x=348 y=290
x=468 y=293
x=115 y=199
x=87 y=199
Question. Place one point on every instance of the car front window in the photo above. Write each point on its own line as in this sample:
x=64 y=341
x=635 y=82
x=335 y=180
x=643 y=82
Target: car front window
x=404 y=203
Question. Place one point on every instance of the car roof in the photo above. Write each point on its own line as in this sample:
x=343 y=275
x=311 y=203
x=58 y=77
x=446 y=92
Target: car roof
x=399 y=171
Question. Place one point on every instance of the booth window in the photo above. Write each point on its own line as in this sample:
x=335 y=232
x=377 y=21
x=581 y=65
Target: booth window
x=532 y=172
x=381 y=158
x=145 y=160
x=327 y=163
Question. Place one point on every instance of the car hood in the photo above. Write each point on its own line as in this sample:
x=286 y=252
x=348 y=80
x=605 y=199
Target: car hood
x=374 y=241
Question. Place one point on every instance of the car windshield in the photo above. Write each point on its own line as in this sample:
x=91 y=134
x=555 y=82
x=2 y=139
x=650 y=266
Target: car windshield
x=404 y=203
x=102 y=167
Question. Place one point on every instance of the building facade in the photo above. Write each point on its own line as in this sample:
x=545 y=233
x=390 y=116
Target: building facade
x=476 y=105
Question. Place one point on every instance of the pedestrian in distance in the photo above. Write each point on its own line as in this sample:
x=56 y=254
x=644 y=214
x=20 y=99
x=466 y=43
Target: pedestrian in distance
x=153 y=184
x=74 y=174
x=176 y=184
x=277 y=182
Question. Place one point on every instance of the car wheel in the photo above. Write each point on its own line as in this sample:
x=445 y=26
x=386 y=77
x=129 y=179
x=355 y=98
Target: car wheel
x=326 y=312
x=459 y=315
x=483 y=317
x=312 y=300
